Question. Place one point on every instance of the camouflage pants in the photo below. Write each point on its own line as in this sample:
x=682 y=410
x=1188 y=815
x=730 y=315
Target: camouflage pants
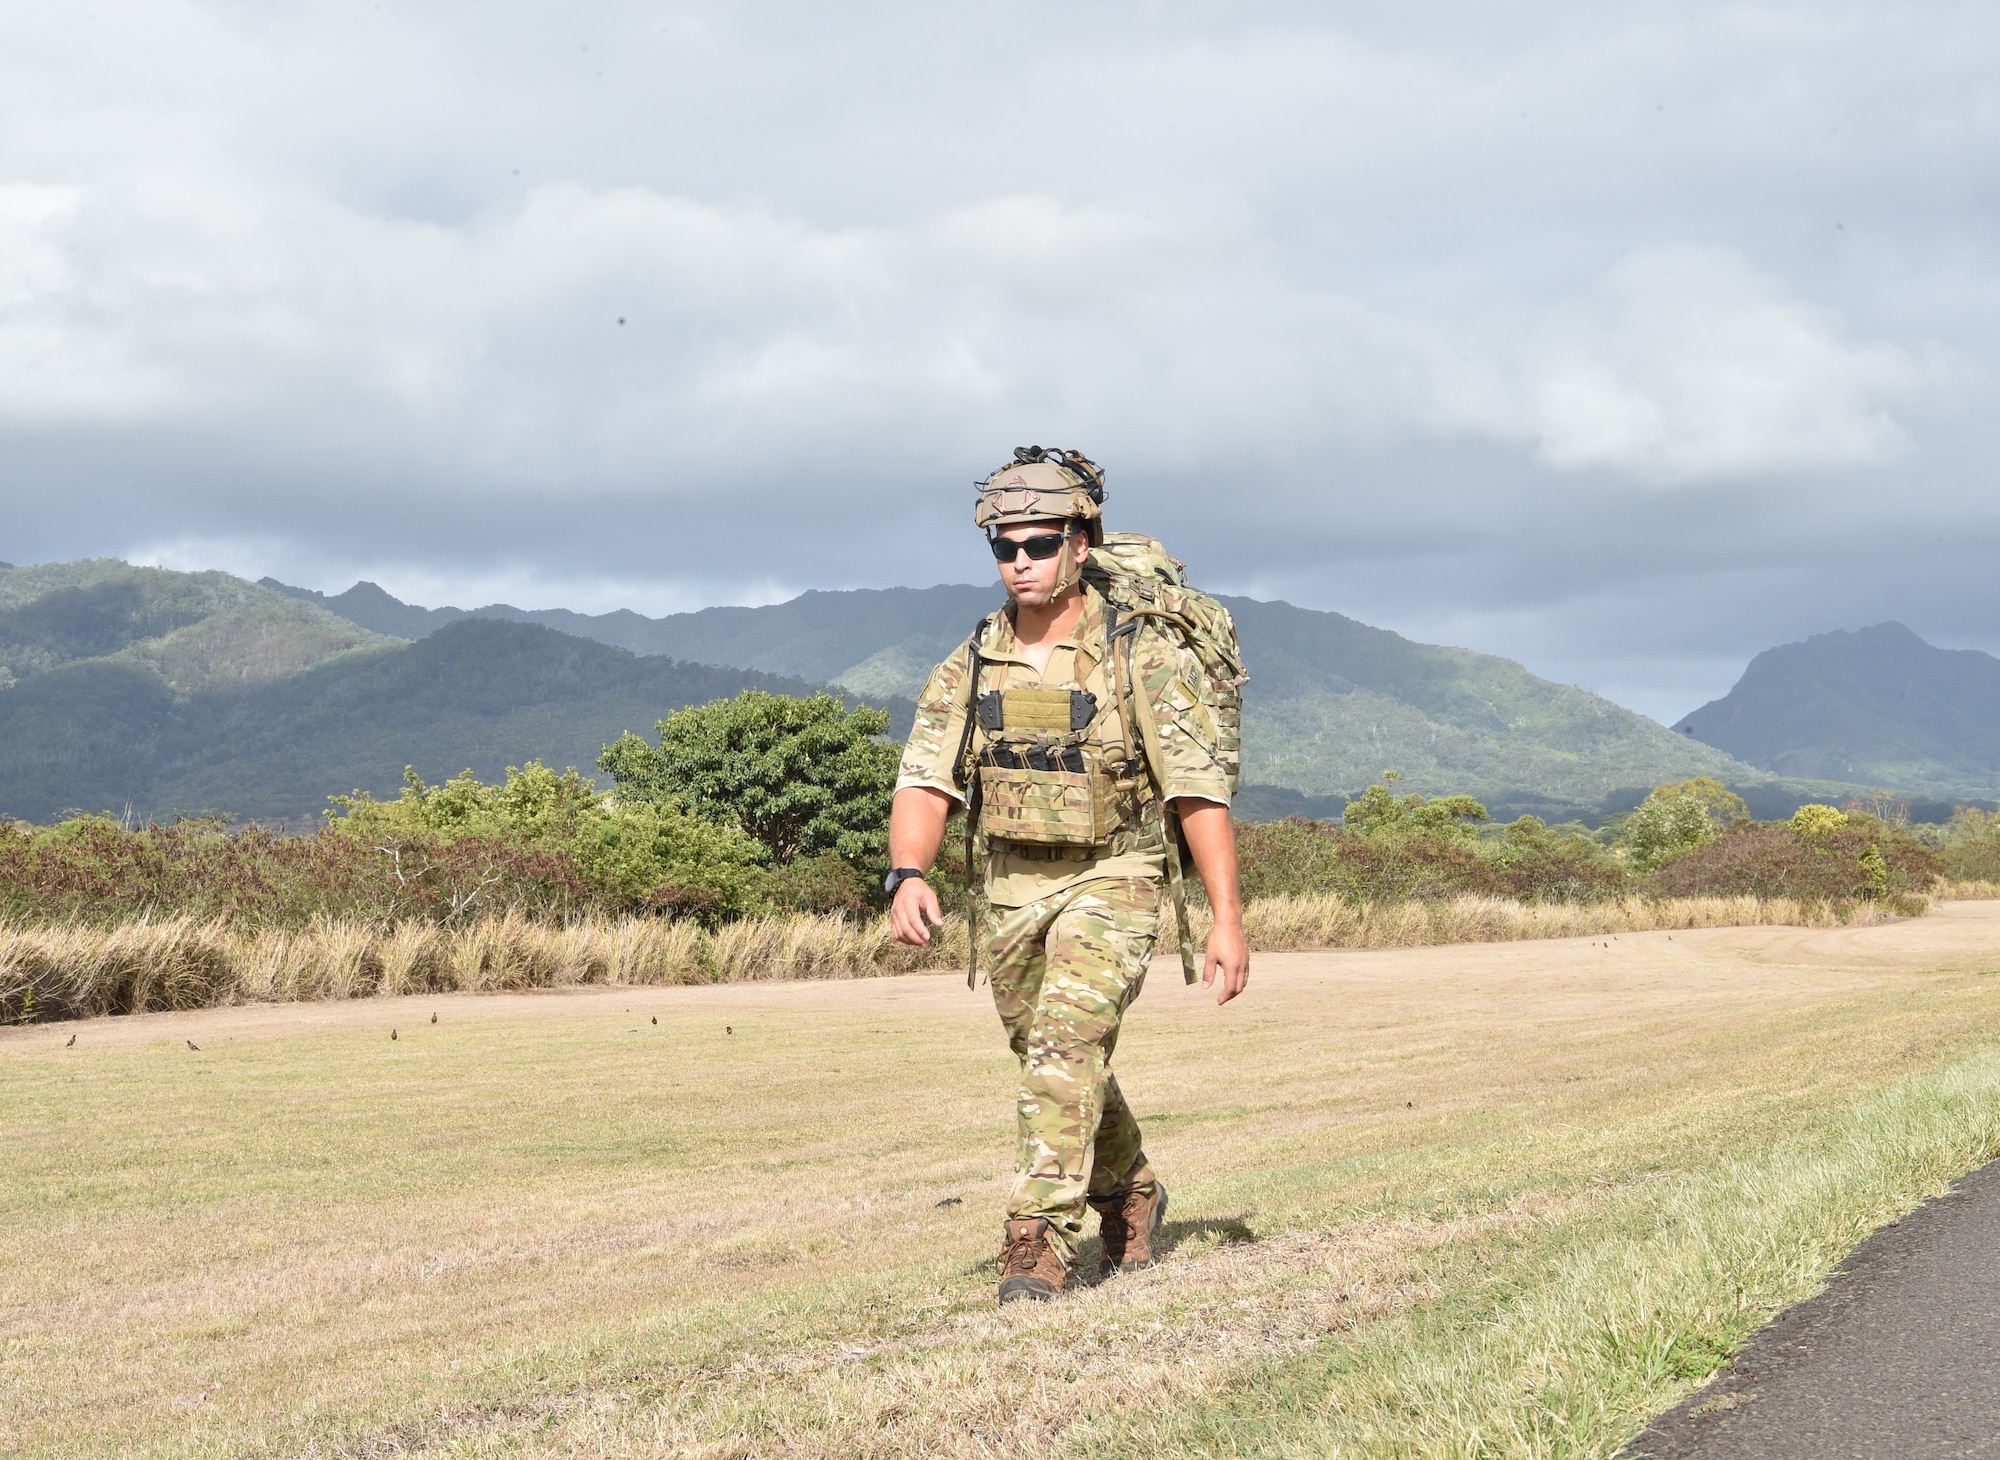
x=1064 y=970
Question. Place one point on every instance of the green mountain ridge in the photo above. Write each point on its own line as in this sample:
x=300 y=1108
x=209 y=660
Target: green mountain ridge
x=871 y=640
x=1876 y=705
x=200 y=693
x=187 y=692
x=1331 y=704
x=193 y=630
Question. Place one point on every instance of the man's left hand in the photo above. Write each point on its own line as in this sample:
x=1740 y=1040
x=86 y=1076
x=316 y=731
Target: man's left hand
x=1229 y=956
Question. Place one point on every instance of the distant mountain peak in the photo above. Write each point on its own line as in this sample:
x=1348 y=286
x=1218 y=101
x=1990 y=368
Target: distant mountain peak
x=1877 y=705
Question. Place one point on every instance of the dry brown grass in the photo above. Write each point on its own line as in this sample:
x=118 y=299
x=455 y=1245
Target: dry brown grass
x=1147 y=1342
x=1285 y=924
x=1968 y=891
x=550 y=1225
x=184 y=963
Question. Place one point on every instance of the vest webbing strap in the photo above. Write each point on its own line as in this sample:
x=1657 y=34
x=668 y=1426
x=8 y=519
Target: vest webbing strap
x=964 y=772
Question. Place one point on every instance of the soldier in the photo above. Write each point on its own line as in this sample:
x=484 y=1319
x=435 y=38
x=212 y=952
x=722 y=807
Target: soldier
x=1026 y=722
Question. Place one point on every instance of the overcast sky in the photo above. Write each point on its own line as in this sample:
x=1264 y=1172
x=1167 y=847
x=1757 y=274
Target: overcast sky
x=1626 y=340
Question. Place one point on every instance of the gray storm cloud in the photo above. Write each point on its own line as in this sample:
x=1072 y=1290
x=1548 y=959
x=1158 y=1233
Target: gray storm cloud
x=1625 y=341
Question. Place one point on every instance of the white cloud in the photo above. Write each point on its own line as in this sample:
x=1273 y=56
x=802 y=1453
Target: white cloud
x=1684 y=364
x=763 y=339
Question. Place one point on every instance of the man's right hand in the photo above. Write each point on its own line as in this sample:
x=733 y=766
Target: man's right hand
x=915 y=912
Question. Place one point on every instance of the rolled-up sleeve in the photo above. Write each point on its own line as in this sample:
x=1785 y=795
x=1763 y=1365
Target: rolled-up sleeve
x=940 y=726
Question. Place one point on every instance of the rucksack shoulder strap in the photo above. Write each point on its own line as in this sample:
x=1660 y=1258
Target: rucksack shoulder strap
x=1140 y=709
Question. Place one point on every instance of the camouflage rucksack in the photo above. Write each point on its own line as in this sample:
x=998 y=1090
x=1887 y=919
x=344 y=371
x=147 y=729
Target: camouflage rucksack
x=1148 y=591
x=1145 y=584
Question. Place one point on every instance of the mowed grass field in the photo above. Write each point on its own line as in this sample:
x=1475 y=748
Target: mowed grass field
x=1475 y=1200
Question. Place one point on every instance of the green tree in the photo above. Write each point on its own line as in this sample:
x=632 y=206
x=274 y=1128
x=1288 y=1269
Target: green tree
x=803 y=776
x=1677 y=818
x=1378 y=812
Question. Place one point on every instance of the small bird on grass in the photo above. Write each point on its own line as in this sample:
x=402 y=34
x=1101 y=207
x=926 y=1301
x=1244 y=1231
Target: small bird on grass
x=392 y=1034
x=192 y=1045
x=656 y=1019
x=434 y=1018
x=72 y=1038
x=728 y=1029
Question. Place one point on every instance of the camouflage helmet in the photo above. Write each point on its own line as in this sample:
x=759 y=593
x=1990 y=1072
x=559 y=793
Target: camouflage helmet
x=1042 y=486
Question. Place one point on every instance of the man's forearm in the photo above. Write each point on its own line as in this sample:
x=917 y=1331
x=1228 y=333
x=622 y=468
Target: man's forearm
x=1211 y=840
x=917 y=819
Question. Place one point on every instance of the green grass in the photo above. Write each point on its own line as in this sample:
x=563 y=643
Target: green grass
x=1554 y=1345
x=1479 y=1200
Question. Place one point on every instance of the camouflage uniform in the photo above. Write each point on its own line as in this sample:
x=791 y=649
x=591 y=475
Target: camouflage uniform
x=1070 y=928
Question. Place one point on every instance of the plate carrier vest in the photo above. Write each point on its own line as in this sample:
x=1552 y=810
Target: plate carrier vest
x=1026 y=767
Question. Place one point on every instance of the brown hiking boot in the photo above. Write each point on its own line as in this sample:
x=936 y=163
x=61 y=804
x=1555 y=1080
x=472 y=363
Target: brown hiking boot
x=1030 y=1265
x=1129 y=1225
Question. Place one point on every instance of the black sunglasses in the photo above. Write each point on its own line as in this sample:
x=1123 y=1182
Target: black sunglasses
x=1046 y=545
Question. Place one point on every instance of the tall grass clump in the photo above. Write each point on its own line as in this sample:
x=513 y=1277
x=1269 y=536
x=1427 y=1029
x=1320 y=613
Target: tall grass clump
x=80 y=970
x=1324 y=920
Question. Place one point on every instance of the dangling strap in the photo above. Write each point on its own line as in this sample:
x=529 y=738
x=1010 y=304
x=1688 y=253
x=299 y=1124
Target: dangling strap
x=1170 y=835
x=963 y=771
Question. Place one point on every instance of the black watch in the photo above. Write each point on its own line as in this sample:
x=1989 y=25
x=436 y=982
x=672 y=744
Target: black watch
x=898 y=876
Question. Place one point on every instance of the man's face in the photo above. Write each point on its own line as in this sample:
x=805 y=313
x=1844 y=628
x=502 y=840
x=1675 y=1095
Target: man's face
x=1032 y=581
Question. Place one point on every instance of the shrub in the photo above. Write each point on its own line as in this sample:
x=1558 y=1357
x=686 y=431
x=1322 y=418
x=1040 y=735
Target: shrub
x=1304 y=858
x=542 y=845
x=624 y=857
x=823 y=884
x=93 y=871
x=1861 y=859
x=658 y=859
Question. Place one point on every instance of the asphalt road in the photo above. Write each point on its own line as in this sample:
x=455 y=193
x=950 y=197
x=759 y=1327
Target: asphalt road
x=1899 y=1357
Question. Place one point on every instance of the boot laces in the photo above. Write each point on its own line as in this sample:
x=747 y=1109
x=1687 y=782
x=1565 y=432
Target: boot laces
x=1024 y=1254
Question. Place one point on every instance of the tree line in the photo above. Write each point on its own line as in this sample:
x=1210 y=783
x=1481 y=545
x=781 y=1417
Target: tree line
x=769 y=803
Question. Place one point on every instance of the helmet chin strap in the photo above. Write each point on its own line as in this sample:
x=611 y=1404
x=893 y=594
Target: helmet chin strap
x=1062 y=573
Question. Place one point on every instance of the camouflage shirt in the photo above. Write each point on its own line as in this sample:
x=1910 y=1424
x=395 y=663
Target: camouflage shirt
x=1017 y=876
